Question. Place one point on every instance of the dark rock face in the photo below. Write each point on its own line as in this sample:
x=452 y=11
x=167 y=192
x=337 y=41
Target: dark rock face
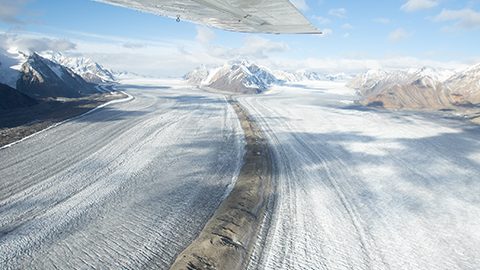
x=13 y=99
x=42 y=78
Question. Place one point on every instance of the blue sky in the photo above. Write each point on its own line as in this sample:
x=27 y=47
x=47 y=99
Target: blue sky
x=359 y=35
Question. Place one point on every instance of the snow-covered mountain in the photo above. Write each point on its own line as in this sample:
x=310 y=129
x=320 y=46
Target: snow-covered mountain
x=90 y=70
x=339 y=77
x=39 y=77
x=297 y=76
x=465 y=85
x=379 y=79
x=197 y=76
x=127 y=75
x=238 y=77
x=302 y=75
x=247 y=77
x=10 y=65
x=418 y=88
x=42 y=78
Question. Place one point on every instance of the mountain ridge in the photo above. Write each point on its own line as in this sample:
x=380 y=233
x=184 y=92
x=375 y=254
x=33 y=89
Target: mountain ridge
x=421 y=88
x=246 y=77
x=88 y=69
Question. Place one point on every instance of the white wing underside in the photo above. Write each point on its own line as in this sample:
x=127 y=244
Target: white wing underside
x=253 y=16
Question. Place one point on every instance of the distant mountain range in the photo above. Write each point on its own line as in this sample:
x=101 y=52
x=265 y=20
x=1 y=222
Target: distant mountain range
x=302 y=75
x=238 y=77
x=247 y=77
x=53 y=75
x=424 y=88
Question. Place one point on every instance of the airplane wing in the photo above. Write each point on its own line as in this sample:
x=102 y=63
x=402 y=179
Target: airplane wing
x=252 y=16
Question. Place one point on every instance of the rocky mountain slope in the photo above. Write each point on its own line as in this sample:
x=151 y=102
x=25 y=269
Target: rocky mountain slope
x=51 y=74
x=41 y=78
x=13 y=99
x=465 y=86
x=424 y=88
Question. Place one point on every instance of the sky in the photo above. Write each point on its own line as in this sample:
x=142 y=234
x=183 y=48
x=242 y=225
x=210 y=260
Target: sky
x=358 y=35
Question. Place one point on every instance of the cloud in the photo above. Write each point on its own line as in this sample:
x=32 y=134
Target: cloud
x=347 y=26
x=398 y=35
x=300 y=4
x=178 y=57
x=326 y=32
x=463 y=18
x=259 y=47
x=357 y=65
x=321 y=20
x=382 y=20
x=153 y=59
x=35 y=44
x=134 y=45
x=175 y=57
x=415 y=5
x=338 y=12
x=204 y=35
x=10 y=10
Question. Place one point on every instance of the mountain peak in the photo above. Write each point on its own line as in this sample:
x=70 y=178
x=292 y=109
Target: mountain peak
x=88 y=69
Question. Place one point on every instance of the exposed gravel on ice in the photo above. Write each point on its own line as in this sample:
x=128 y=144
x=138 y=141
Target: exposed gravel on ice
x=228 y=239
x=128 y=186
x=366 y=189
